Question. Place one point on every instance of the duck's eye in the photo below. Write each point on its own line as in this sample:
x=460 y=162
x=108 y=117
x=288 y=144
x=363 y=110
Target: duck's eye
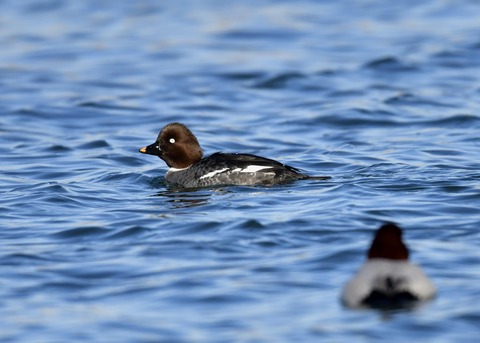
x=172 y=140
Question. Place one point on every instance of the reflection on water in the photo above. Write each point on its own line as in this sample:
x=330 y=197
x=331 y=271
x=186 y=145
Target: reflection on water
x=177 y=198
x=181 y=197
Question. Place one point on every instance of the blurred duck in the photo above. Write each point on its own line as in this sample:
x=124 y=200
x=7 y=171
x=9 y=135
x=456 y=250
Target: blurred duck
x=387 y=279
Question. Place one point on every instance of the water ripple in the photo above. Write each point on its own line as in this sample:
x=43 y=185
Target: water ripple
x=383 y=97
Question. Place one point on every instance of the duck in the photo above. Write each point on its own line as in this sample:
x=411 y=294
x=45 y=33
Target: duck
x=387 y=279
x=178 y=147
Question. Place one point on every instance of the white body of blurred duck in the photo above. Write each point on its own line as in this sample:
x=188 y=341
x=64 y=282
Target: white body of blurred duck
x=387 y=279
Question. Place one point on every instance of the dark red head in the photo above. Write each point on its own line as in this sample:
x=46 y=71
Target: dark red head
x=388 y=243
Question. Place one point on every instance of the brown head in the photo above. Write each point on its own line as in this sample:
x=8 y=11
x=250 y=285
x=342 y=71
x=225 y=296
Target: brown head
x=388 y=243
x=176 y=145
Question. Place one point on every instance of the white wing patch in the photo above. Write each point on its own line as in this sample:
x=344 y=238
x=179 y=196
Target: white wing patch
x=213 y=173
x=249 y=169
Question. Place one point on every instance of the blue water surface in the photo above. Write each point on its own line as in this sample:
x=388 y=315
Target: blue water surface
x=383 y=96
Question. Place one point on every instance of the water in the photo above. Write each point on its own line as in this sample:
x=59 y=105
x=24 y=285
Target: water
x=382 y=96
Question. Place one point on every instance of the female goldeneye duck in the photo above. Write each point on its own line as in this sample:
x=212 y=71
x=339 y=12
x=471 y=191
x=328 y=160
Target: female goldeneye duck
x=387 y=280
x=180 y=150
